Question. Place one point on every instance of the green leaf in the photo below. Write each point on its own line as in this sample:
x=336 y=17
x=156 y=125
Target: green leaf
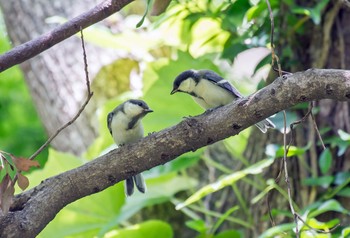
x=197 y=225
x=225 y=181
x=144 y=15
x=223 y=218
x=182 y=162
x=343 y=135
x=149 y=229
x=159 y=190
x=342 y=177
x=277 y=230
x=255 y=11
x=264 y=61
x=313 y=13
x=277 y=151
x=317 y=11
x=345 y=232
x=325 y=161
x=229 y=234
x=345 y=192
x=323 y=181
x=329 y=205
x=232 y=49
x=236 y=12
x=315 y=224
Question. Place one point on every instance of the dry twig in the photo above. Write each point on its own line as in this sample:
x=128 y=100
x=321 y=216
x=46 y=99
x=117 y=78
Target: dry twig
x=81 y=108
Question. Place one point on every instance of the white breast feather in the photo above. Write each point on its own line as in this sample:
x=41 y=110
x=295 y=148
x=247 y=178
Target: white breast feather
x=213 y=95
x=119 y=125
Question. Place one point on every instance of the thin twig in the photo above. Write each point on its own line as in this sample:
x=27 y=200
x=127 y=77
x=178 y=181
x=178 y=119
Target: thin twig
x=283 y=72
x=274 y=57
x=317 y=230
x=80 y=110
x=317 y=131
x=286 y=174
x=85 y=61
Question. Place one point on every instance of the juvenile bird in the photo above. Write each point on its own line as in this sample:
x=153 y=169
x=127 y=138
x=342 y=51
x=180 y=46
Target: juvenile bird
x=210 y=90
x=124 y=124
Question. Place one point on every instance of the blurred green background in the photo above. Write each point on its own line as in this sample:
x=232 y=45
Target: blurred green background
x=229 y=37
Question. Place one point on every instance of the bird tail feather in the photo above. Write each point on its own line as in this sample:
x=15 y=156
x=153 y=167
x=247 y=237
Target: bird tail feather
x=129 y=186
x=140 y=183
x=264 y=125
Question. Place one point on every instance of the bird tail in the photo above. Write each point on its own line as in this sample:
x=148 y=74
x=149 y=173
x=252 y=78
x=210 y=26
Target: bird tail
x=129 y=186
x=264 y=125
x=139 y=182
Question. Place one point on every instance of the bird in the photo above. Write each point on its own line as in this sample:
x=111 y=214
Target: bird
x=124 y=124
x=210 y=91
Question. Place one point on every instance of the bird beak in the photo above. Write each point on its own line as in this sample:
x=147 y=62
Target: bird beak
x=148 y=110
x=174 y=91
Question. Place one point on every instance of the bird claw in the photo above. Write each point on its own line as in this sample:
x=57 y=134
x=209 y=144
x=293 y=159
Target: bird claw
x=151 y=133
x=186 y=117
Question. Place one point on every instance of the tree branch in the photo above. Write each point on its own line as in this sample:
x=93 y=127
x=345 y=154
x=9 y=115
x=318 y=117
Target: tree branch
x=26 y=217
x=34 y=47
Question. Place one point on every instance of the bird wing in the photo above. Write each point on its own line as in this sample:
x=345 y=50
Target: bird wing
x=109 y=121
x=221 y=82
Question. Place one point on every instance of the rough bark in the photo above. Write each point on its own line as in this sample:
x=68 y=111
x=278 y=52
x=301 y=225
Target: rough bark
x=26 y=217
x=59 y=71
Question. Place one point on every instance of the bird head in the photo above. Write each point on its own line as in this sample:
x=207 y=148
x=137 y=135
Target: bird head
x=134 y=107
x=185 y=81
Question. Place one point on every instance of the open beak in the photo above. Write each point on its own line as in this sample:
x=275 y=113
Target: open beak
x=174 y=91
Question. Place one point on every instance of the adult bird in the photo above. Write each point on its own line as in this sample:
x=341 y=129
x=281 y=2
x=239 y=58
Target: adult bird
x=124 y=124
x=210 y=90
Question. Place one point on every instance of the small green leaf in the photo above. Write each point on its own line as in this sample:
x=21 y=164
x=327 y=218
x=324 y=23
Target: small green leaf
x=277 y=151
x=325 y=161
x=225 y=181
x=343 y=135
x=315 y=224
x=223 y=217
x=264 y=61
x=277 y=230
x=149 y=229
x=329 y=205
x=229 y=234
x=345 y=232
x=323 y=181
x=341 y=177
x=144 y=15
x=197 y=225
x=255 y=11
x=345 y=192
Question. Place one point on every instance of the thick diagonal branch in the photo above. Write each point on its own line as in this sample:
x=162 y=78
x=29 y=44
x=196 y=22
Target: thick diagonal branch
x=32 y=210
x=34 y=47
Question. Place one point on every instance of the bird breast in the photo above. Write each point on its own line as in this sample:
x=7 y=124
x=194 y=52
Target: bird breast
x=211 y=95
x=124 y=135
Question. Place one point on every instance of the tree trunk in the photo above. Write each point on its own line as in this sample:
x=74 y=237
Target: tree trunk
x=56 y=78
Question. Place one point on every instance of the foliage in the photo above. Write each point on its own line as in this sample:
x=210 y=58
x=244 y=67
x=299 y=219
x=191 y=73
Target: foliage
x=197 y=34
x=21 y=132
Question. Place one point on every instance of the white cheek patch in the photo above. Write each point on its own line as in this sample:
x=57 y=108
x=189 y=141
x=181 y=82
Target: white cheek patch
x=187 y=85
